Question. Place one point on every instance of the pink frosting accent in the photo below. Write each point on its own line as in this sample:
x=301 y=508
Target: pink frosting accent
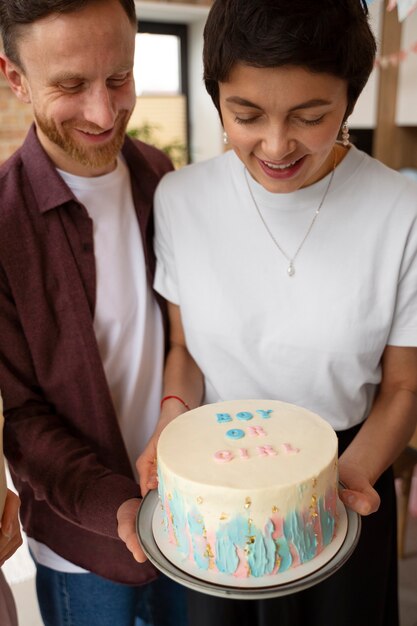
x=278 y=523
x=266 y=451
x=330 y=501
x=171 y=534
x=295 y=556
x=256 y=431
x=242 y=570
x=243 y=453
x=223 y=456
x=288 y=448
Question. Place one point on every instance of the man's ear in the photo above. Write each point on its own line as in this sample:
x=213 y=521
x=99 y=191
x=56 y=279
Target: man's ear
x=16 y=78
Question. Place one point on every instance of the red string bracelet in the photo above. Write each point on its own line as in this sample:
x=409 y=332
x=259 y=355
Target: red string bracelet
x=175 y=398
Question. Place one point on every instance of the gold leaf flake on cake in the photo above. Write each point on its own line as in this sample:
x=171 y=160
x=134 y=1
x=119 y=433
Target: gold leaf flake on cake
x=314 y=483
x=224 y=517
x=275 y=509
x=169 y=496
x=313 y=506
x=208 y=552
x=248 y=503
x=251 y=539
x=200 y=500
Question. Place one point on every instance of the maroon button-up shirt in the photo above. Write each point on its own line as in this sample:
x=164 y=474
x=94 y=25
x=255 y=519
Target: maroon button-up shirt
x=61 y=435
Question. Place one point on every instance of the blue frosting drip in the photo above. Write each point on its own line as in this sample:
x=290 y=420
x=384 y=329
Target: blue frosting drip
x=261 y=557
x=327 y=524
x=285 y=554
x=196 y=525
x=302 y=537
x=179 y=522
x=228 y=537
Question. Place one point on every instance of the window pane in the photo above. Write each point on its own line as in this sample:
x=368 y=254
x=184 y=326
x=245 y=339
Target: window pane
x=157 y=64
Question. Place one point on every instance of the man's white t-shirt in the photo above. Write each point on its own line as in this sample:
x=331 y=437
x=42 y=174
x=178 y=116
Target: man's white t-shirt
x=127 y=321
x=314 y=339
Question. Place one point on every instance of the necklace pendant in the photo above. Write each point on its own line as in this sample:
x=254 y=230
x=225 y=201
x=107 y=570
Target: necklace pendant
x=291 y=269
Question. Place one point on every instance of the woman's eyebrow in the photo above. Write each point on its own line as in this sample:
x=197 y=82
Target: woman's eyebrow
x=314 y=102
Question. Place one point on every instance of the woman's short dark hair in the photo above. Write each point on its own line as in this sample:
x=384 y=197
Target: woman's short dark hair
x=330 y=36
x=15 y=13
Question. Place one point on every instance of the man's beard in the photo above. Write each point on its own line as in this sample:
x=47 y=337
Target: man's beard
x=94 y=157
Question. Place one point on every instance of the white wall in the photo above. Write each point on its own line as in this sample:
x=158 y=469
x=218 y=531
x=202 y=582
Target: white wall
x=365 y=113
x=407 y=81
x=206 y=132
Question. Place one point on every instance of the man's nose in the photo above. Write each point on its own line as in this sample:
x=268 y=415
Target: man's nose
x=99 y=108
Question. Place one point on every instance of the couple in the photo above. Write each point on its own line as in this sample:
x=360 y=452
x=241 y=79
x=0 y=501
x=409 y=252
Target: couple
x=286 y=268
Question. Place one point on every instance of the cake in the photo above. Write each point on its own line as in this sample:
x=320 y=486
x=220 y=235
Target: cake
x=248 y=488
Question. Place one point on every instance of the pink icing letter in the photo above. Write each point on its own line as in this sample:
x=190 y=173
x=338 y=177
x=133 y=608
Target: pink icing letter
x=266 y=451
x=256 y=431
x=288 y=448
x=223 y=456
x=243 y=453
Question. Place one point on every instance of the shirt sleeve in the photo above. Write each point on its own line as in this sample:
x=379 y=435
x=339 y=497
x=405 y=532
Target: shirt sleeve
x=404 y=328
x=42 y=448
x=165 y=282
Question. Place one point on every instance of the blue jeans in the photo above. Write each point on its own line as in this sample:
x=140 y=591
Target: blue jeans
x=89 y=600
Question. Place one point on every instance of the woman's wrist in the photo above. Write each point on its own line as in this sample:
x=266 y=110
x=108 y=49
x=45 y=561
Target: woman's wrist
x=174 y=398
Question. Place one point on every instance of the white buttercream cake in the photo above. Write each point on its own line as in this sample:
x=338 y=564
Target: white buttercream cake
x=248 y=487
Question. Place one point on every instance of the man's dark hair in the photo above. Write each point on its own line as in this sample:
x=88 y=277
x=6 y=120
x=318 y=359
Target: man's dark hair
x=15 y=13
x=331 y=36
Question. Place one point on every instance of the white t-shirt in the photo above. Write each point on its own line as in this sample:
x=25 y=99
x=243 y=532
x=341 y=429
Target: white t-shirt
x=127 y=321
x=314 y=339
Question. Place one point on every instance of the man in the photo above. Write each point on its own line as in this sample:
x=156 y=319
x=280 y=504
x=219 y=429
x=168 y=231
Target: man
x=10 y=536
x=81 y=335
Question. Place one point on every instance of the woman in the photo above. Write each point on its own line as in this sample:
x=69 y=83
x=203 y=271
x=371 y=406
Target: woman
x=10 y=540
x=290 y=269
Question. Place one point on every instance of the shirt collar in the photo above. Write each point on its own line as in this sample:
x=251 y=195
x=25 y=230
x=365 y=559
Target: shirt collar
x=47 y=185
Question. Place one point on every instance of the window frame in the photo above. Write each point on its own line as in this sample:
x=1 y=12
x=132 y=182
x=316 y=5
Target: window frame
x=180 y=31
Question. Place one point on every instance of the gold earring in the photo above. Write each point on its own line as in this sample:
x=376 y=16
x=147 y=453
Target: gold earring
x=345 y=134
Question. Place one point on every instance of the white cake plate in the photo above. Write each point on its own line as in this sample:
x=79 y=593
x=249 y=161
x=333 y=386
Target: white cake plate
x=165 y=557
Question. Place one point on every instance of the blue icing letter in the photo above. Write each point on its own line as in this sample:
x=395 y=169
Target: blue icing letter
x=235 y=433
x=244 y=415
x=223 y=417
x=264 y=414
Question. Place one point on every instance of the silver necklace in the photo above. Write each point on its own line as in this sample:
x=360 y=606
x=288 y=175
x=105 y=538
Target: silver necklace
x=291 y=260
